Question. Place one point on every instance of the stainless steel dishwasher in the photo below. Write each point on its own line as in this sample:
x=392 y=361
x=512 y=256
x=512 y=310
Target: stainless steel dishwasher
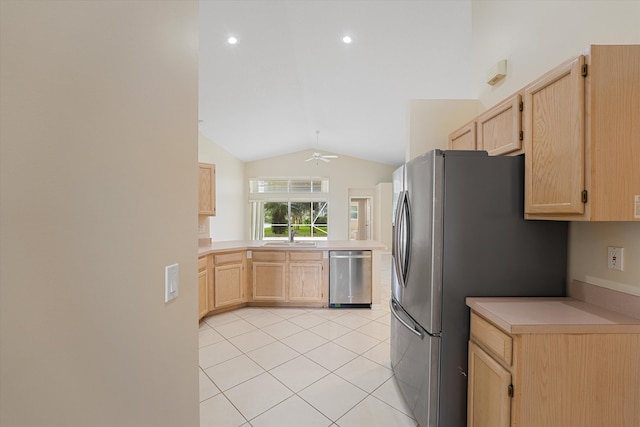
x=349 y=279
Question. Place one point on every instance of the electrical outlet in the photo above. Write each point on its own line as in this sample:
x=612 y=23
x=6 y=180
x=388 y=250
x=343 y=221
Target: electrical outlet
x=615 y=257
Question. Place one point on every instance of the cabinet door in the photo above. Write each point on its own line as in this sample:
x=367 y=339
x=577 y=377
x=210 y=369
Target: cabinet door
x=499 y=130
x=203 y=282
x=555 y=141
x=463 y=138
x=305 y=281
x=228 y=284
x=268 y=279
x=207 y=189
x=489 y=402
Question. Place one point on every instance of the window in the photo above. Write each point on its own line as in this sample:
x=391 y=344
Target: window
x=280 y=206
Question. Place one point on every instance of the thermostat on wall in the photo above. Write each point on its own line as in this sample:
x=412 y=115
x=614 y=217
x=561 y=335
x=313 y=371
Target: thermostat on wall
x=497 y=72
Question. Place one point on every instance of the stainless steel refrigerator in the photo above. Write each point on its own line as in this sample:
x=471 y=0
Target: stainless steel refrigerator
x=459 y=231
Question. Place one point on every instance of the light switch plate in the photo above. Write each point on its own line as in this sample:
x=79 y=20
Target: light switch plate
x=171 y=274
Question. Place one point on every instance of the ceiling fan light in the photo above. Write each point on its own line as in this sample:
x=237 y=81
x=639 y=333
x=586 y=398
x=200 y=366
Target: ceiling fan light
x=232 y=40
x=346 y=39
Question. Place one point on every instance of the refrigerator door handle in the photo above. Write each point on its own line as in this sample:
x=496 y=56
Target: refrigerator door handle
x=402 y=238
x=413 y=329
x=397 y=231
x=407 y=238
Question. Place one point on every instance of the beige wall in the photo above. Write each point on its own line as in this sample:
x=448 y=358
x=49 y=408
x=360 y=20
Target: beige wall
x=98 y=194
x=430 y=121
x=556 y=31
x=231 y=192
x=345 y=173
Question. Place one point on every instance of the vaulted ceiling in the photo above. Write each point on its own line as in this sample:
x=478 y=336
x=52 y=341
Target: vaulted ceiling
x=291 y=74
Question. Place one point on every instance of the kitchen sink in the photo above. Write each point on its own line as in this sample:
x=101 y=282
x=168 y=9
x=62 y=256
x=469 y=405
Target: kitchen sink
x=291 y=244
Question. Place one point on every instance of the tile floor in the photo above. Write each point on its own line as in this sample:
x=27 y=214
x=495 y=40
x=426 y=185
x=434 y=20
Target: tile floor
x=300 y=367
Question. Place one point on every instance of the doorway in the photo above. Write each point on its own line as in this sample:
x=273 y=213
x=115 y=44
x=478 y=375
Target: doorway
x=360 y=218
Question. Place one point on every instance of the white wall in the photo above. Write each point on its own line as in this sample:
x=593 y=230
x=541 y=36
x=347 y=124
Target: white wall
x=231 y=193
x=344 y=173
x=98 y=193
x=551 y=33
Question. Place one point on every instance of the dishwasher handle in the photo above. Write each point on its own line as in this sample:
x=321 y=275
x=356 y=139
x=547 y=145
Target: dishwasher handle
x=350 y=256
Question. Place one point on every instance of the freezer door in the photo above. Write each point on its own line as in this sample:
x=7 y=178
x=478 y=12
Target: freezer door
x=415 y=357
x=422 y=291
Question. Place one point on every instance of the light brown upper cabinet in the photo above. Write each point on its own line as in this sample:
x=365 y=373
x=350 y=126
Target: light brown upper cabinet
x=463 y=138
x=207 y=189
x=582 y=138
x=499 y=129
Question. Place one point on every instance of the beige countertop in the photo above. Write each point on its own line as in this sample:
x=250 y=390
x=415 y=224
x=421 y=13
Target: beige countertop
x=322 y=245
x=551 y=315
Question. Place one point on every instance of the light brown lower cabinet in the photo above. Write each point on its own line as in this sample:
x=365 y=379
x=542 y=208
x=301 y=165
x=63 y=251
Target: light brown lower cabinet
x=306 y=279
x=552 y=379
x=229 y=279
x=289 y=278
x=203 y=286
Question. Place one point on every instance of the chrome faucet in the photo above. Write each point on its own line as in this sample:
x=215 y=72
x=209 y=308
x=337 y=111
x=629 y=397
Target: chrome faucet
x=292 y=233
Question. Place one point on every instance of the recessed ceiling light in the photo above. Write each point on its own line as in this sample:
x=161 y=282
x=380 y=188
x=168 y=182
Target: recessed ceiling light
x=232 y=40
x=346 y=39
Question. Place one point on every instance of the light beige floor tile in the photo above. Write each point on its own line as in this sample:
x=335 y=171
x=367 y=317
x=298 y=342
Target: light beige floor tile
x=287 y=313
x=330 y=330
x=251 y=340
x=357 y=342
x=237 y=327
x=221 y=319
x=255 y=396
x=386 y=319
x=390 y=393
x=364 y=373
x=331 y=355
x=217 y=353
x=246 y=312
x=282 y=329
x=233 y=372
x=293 y=412
x=373 y=313
x=263 y=319
x=352 y=321
x=272 y=355
x=333 y=396
x=299 y=373
x=381 y=354
x=207 y=388
x=331 y=313
x=203 y=326
x=376 y=330
x=304 y=341
x=373 y=412
x=218 y=411
x=208 y=336
x=307 y=320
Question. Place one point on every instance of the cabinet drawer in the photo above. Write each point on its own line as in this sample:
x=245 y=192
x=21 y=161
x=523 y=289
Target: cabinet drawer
x=305 y=256
x=228 y=258
x=202 y=263
x=269 y=256
x=492 y=338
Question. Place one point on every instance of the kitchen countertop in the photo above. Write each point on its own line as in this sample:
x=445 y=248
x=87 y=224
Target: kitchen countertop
x=321 y=245
x=551 y=315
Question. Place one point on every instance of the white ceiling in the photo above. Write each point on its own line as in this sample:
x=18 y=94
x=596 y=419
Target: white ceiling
x=290 y=74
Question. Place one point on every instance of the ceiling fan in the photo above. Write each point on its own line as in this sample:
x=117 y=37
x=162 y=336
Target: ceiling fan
x=322 y=157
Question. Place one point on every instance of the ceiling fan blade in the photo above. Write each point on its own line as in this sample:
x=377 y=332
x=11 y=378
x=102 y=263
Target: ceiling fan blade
x=324 y=159
x=309 y=159
x=330 y=156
